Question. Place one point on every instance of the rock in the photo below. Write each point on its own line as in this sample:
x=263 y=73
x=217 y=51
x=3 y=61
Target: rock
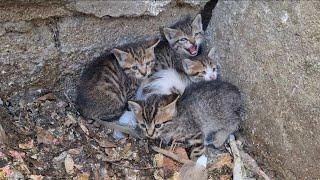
x=119 y=8
x=271 y=51
x=46 y=44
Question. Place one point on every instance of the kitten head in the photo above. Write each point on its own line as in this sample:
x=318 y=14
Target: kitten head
x=186 y=38
x=201 y=69
x=152 y=114
x=137 y=62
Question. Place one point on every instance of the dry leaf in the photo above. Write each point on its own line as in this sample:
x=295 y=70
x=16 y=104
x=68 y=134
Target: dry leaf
x=83 y=176
x=170 y=164
x=75 y=151
x=49 y=97
x=158 y=160
x=45 y=137
x=84 y=128
x=36 y=177
x=222 y=160
x=105 y=143
x=176 y=176
x=79 y=167
x=28 y=145
x=5 y=171
x=70 y=119
x=225 y=177
x=17 y=155
x=126 y=148
x=69 y=164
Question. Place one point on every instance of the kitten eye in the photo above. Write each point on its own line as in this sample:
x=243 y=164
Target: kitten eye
x=148 y=63
x=143 y=126
x=203 y=72
x=197 y=33
x=157 y=125
x=134 y=67
x=213 y=69
x=183 y=39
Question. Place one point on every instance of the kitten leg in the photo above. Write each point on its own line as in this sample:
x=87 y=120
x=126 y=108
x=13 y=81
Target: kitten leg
x=219 y=138
x=160 y=143
x=197 y=151
x=173 y=145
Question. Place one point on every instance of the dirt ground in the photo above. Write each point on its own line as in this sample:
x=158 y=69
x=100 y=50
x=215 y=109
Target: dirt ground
x=44 y=137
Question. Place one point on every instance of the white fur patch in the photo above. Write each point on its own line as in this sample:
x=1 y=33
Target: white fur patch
x=127 y=118
x=210 y=74
x=165 y=81
x=202 y=161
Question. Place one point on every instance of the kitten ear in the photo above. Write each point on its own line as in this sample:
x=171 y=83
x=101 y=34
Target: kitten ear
x=134 y=107
x=212 y=57
x=169 y=110
x=211 y=54
x=121 y=56
x=187 y=65
x=197 y=24
x=170 y=34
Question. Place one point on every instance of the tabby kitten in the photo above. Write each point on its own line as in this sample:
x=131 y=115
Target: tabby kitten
x=201 y=68
x=113 y=78
x=184 y=40
x=209 y=107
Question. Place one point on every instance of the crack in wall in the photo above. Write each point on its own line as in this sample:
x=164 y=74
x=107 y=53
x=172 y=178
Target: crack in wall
x=206 y=13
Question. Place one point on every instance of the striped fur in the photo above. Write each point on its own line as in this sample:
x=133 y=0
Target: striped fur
x=183 y=37
x=206 y=114
x=112 y=79
x=201 y=68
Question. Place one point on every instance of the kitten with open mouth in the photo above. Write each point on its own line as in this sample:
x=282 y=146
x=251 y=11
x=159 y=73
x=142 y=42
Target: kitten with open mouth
x=184 y=40
x=193 y=50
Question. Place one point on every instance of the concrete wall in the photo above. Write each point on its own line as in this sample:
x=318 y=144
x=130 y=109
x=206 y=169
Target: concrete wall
x=271 y=50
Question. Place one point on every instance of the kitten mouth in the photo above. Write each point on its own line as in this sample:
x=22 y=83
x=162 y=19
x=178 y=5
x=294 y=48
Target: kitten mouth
x=193 y=50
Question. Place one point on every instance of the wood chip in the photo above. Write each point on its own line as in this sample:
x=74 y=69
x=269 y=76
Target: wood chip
x=83 y=127
x=69 y=164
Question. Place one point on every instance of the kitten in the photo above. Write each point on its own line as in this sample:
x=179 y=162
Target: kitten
x=201 y=68
x=184 y=40
x=211 y=108
x=113 y=78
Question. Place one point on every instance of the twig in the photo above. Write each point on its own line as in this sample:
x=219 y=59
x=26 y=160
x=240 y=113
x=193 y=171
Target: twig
x=238 y=164
x=171 y=155
x=252 y=165
x=122 y=128
x=135 y=168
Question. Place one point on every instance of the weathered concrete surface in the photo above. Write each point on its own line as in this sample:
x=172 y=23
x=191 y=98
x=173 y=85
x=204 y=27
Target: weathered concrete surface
x=46 y=43
x=271 y=50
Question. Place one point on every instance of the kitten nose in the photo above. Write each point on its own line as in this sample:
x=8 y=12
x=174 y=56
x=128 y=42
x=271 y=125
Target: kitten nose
x=143 y=72
x=150 y=132
x=193 y=41
x=212 y=77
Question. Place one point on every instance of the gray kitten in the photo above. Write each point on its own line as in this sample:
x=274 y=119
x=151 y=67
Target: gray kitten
x=210 y=107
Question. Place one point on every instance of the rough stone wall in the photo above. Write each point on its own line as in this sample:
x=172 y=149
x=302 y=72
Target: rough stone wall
x=271 y=50
x=45 y=44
